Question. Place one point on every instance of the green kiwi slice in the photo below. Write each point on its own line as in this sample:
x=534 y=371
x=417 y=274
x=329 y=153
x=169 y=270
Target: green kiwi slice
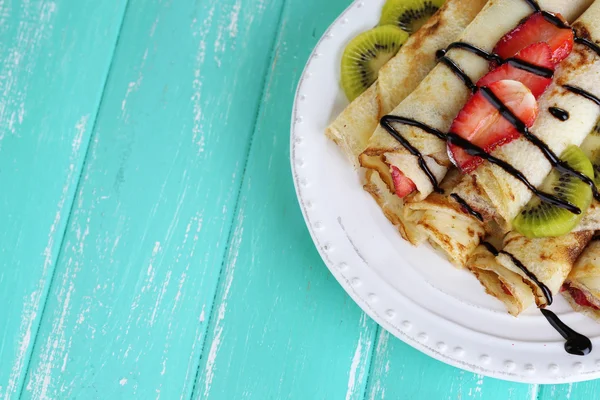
x=409 y=15
x=366 y=54
x=539 y=219
x=591 y=148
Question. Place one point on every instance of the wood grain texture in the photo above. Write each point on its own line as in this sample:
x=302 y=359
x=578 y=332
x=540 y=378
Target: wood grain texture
x=281 y=326
x=54 y=59
x=143 y=248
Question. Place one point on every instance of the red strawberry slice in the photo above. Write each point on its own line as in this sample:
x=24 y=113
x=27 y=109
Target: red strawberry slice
x=538 y=54
x=481 y=124
x=536 y=29
x=579 y=297
x=403 y=185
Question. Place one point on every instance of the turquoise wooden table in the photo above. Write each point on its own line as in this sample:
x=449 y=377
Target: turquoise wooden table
x=151 y=245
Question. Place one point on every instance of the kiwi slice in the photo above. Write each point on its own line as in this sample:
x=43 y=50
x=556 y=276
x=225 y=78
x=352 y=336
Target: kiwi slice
x=366 y=54
x=409 y=15
x=591 y=148
x=539 y=219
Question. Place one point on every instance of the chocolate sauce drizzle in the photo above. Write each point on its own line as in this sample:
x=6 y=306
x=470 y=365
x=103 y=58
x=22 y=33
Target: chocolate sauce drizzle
x=459 y=73
x=533 y=4
x=547 y=292
x=576 y=343
x=593 y=46
x=579 y=91
x=559 y=113
x=490 y=247
x=466 y=207
x=495 y=58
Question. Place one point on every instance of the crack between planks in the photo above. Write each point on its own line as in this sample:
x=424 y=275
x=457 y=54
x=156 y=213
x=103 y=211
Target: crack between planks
x=261 y=104
x=371 y=357
x=72 y=203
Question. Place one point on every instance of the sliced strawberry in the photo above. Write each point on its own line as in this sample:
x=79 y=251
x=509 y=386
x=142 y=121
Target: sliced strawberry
x=538 y=54
x=579 y=297
x=403 y=185
x=536 y=29
x=481 y=124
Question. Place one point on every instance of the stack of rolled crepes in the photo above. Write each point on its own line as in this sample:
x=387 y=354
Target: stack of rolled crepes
x=525 y=270
x=470 y=218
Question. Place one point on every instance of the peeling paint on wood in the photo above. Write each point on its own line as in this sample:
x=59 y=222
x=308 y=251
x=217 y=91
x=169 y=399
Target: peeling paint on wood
x=173 y=261
x=141 y=256
x=46 y=110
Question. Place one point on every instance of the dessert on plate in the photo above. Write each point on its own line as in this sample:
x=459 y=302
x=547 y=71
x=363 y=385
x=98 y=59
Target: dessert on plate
x=476 y=130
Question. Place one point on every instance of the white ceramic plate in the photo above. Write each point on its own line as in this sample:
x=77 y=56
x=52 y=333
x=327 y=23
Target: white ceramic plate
x=412 y=292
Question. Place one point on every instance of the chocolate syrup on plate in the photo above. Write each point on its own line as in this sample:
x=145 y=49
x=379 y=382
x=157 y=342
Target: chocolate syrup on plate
x=576 y=343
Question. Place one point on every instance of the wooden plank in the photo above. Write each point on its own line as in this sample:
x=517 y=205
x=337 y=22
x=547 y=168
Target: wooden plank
x=282 y=327
x=572 y=391
x=138 y=271
x=55 y=56
x=401 y=372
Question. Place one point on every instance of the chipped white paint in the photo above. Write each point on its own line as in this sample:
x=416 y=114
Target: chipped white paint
x=134 y=86
x=123 y=382
x=569 y=390
x=360 y=364
x=159 y=298
x=353 y=368
x=21 y=61
x=234 y=17
x=57 y=348
x=202 y=34
x=22 y=58
x=533 y=392
x=377 y=389
x=32 y=303
x=230 y=266
x=479 y=383
x=151 y=272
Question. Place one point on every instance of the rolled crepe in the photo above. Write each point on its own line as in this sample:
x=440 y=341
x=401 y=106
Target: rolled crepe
x=447 y=225
x=542 y=263
x=582 y=287
x=504 y=284
x=441 y=95
x=398 y=77
x=393 y=208
x=507 y=194
x=525 y=270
